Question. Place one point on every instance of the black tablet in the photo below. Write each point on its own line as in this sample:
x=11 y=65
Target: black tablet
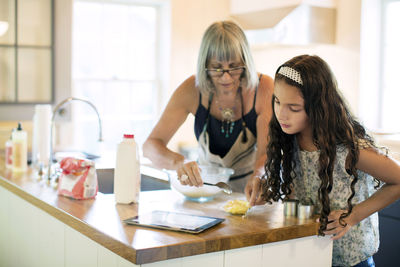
x=175 y=221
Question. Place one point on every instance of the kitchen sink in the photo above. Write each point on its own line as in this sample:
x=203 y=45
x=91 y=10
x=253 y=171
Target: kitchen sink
x=105 y=179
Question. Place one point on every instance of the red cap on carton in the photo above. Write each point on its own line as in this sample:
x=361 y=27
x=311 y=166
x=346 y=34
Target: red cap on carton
x=130 y=136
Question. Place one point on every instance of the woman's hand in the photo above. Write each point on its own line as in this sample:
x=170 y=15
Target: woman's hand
x=189 y=174
x=334 y=227
x=253 y=191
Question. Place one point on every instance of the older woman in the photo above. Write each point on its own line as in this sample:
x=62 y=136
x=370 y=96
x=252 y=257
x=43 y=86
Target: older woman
x=231 y=103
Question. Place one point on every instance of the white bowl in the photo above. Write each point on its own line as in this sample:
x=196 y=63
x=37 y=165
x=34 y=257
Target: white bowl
x=204 y=193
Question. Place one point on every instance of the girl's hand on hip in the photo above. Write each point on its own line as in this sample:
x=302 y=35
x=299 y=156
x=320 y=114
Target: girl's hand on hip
x=189 y=174
x=334 y=227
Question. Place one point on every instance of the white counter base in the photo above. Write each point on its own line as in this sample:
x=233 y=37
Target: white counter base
x=30 y=237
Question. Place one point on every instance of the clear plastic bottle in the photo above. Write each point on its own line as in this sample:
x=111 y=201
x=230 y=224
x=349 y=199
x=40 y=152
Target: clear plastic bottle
x=8 y=148
x=127 y=171
x=19 y=150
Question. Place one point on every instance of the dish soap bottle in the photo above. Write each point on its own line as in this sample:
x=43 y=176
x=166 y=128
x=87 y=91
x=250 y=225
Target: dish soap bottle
x=127 y=171
x=8 y=148
x=19 y=150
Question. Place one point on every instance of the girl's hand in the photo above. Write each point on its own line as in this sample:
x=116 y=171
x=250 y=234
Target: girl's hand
x=189 y=174
x=253 y=191
x=334 y=227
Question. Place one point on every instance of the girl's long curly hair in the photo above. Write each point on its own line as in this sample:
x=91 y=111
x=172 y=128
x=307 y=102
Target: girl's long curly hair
x=332 y=124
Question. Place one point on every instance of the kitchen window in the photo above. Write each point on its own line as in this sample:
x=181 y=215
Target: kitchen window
x=390 y=57
x=118 y=57
x=26 y=51
x=379 y=55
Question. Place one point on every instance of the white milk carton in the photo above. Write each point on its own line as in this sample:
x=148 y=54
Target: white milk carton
x=127 y=171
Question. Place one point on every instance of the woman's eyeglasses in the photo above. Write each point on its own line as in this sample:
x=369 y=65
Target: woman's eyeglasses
x=220 y=72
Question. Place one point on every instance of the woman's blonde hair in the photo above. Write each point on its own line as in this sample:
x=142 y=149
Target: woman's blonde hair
x=225 y=41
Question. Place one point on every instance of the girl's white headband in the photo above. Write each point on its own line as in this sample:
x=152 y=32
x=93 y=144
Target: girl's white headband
x=291 y=73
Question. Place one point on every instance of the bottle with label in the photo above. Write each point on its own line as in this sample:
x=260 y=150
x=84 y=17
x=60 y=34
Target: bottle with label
x=8 y=148
x=19 y=150
x=127 y=171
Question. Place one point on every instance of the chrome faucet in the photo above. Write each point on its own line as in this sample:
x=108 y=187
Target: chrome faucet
x=56 y=109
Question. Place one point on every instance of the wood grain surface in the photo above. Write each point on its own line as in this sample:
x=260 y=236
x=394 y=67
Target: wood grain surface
x=100 y=219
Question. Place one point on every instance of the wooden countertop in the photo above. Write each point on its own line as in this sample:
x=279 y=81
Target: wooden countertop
x=100 y=219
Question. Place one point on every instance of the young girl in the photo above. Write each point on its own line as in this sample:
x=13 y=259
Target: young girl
x=318 y=152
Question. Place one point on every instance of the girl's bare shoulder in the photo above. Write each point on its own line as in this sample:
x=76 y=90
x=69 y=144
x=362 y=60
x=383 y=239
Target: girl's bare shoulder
x=379 y=164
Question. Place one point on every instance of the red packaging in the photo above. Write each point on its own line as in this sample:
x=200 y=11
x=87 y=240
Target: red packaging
x=78 y=179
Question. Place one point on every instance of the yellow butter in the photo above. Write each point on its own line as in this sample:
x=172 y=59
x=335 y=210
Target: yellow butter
x=237 y=206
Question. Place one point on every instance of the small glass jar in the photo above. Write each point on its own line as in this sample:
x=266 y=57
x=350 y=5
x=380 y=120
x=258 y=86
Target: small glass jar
x=290 y=207
x=305 y=211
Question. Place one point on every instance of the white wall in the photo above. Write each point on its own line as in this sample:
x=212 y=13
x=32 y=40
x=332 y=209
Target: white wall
x=344 y=64
x=63 y=66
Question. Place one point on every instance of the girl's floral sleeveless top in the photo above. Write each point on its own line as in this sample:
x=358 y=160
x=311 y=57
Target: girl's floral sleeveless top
x=362 y=240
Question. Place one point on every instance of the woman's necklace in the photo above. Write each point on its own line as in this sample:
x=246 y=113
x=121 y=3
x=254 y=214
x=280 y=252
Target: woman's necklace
x=228 y=115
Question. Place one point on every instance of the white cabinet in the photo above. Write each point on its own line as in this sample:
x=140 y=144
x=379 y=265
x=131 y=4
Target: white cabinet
x=30 y=237
x=240 y=6
x=250 y=256
x=288 y=21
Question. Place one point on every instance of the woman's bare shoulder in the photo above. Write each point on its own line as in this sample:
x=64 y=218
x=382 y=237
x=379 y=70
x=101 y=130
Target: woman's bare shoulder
x=264 y=93
x=187 y=94
x=266 y=84
x=188 y=86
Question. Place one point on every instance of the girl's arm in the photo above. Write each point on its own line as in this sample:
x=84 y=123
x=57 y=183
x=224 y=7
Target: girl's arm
x=182 y=102
x=381 y=167
x=264 y=111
